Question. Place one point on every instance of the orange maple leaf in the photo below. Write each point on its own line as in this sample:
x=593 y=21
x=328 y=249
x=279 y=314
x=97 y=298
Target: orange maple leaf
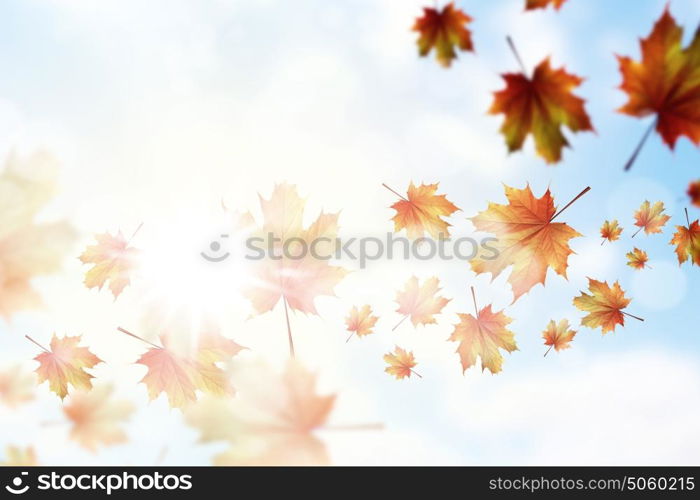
x=542 y=4
x=637 y=259
x=420 y=302
x=401 y=363
x=65 y=364
x=96 y=418
x=694 y=193
x=20 y=457
x=113 y=260
x=558 y=335
x=360 y=321
x=687 y=241
x=650 y=218
x=481 y=336
x=666 y=82
x=610 y=231
x=527 y=239
x=422 y=210
x=540 y=105
x=604 y=305
x=16 y=387
x=444 y=30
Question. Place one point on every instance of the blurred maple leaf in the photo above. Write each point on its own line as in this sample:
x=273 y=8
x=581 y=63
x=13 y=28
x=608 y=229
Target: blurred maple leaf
x=270 y=422
x=650 y=218
x=20 y=457
x=401 y=363
x=360 y=321
x=637 y=259
x=527 y=238
x=604 y=305
x=65 y=364
x=694 y=193
x=482 y=335
x=28 y=248
x=96 y=417
x=542 y=4
x=113 y=260
x=420 y=302
x=540 y=106
x=443 y=30
x=422 y=210
x=610 y=231
x=558 y=335
x=687 y=241
x=16 y=387
x=666 y=82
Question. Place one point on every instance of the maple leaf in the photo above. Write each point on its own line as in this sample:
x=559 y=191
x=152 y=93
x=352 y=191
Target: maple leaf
x=420 y=302
x=666 y=82
x=542 y=4
x=443 y=30
x=483 y=335
x=558 y=335
x=28 y=248
x=272 y=420
x=20 y=457
x=65 y=364
x=422 y=210
x=540 y=105
x=687 y=241
x=694 y=193
x=604 y=305
x=637 y=259
x=113 y=260
x=96 y=418
x=610 y=231
x=16 y=387
x=401 y=363
x=179 y=374
x=527 y=239
x=360 y=321
x=650 y=218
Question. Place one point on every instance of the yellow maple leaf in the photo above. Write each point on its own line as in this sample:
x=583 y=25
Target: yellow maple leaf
x=604 y=305
x=16 y=387
x=113 y=260
x=650 y=218
x=360 y=321
x=637 y=259
x=401 y=363
x=20 y=457
x=687 y=241
x=558 y=335
x=610 y=231
x=420 y=302
x=65 y=364
x=96 y=418
x=422 y=210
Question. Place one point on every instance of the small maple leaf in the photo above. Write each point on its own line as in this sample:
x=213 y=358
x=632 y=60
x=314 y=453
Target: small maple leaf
x=527 y=239
x=558 y=335
x=687 y=241
x=543 y=4
x=650 y=218
x=637 y=259
x=96 y=418
x=65 y=364
x=422 y=211
x=481 y=336
x=694 y=193
x=540 y=106
x=604 y=305
x=16 y=387
x=113 y=260
x=401 y=363
x=420 y=302
x=360 y=321
x=666 y=82
x=610 y=231
x=443 y=30
x=20 y=457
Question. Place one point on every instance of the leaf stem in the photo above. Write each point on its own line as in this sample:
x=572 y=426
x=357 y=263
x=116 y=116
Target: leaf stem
x=515 y=52
x=416 y=373
x=550 y=348
x=397 y=194
x=632 y=316
x=603 y=242
x=37 y=343
x=137 y=337
x=399 y=323
x=289 y=328
x=134 y=233
x=636 y=233
x=637 y=150
x=476 y=308
x=348 y=339
x=570 y=203
x=687 y=218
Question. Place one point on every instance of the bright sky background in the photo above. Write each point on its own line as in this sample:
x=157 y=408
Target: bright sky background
x=160 y=110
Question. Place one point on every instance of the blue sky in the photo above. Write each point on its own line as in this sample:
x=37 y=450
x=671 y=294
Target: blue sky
x=157 y=111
